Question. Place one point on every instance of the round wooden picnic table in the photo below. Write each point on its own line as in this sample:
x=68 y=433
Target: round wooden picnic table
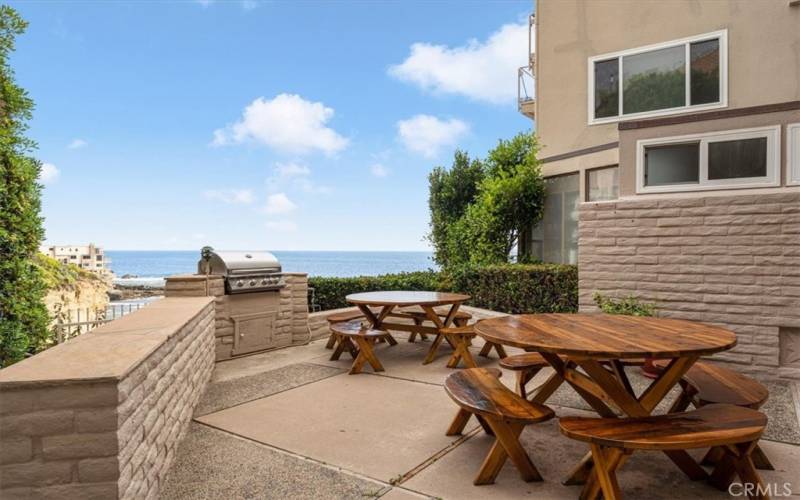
x=389 y=300
x=599 y=344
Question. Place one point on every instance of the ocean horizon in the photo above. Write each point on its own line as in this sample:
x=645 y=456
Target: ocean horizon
x=150 y=267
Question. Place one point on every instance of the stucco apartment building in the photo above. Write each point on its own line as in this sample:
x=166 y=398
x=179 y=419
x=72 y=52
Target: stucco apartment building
x=671 y=143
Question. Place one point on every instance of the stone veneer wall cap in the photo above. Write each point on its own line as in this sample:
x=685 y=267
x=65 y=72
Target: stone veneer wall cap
x=111 y=351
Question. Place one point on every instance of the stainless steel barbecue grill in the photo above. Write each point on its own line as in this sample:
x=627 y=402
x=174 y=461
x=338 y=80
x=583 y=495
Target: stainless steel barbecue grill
x=244 y=272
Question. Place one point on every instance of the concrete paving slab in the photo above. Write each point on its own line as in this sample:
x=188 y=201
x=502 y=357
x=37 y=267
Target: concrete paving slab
x=378 y=426
x=404 y=494
x=646 y=475
x=232 y=392
x=211 y=464
x=258 y=363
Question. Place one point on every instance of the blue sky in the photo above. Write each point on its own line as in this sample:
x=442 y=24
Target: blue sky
x=280 y=125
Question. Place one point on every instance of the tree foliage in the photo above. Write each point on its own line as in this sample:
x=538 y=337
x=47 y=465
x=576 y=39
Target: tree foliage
x=452 y=191
x=23 y=316
x=490 y=204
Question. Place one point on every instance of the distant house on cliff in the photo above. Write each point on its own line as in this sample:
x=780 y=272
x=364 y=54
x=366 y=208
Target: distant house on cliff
x=89 y=257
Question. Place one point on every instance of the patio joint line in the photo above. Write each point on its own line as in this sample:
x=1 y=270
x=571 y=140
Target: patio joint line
x=278 y=392
x=290 y=453
x=436 y=456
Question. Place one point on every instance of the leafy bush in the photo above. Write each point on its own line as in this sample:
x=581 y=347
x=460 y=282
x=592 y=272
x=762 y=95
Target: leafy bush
x=518 y=288
x=478 y=209
x=511 y=288
x=23 y=316
x=629 y=305
x=330 y=293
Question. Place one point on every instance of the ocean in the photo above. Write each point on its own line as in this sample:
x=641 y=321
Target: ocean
x=150 y=267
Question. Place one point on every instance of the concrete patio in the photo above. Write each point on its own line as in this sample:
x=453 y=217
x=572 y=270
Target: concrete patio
x=292 y=424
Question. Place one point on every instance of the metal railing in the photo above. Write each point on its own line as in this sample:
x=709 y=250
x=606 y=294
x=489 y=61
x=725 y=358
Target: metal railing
x=526 y=81
x=69 y=323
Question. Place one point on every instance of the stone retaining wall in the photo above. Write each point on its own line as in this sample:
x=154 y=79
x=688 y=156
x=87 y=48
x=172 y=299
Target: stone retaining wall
x=727 y=260
x=101 y=416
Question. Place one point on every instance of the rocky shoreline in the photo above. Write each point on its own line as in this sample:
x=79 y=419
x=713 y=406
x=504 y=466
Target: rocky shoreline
x=128 y=292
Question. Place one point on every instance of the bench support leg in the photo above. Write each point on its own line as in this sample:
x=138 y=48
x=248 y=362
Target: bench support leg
x=331 y=341
x=487 y=349
x=365 y=354
x=606 y=476
x=461 y=353
x=458 y=423
x=506 y=446
x=760 y=459
x=344 y=345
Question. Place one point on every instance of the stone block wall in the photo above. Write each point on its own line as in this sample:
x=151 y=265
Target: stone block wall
x=101 y=416
x=727 y=260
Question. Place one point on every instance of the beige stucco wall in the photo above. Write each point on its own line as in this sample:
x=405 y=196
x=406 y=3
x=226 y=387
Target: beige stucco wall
x=763 y=51
x=628 y=139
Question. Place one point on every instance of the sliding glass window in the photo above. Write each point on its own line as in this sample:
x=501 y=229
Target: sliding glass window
x=660 y=79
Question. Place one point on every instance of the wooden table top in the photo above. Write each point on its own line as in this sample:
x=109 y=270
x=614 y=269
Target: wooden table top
x=406 y=298
x=606 y=336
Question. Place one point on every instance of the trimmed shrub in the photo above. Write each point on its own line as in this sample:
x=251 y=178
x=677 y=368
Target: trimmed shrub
x=519 y=288
x=629 y=306
x=511 y=288
x=330 y=293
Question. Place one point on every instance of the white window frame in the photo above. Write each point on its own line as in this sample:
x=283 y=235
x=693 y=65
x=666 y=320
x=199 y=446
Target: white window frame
x=793 y=154
x=722 y=35
x=772 y=134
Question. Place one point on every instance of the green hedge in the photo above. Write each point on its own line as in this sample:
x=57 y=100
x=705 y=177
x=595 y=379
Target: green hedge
x=330 y=292
x=519 y=288
x=511 y=288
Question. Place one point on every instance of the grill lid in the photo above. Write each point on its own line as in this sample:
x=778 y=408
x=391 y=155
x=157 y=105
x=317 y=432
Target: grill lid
x=236 y=263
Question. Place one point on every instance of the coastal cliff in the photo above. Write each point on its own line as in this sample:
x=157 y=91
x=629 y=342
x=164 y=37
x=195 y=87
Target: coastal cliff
x=71 y=288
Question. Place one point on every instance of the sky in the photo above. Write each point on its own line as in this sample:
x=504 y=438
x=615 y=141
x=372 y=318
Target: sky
x=261 y=125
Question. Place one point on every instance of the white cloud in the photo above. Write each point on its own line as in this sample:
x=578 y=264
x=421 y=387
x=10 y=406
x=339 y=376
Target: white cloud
x=77 y=144
x=49 y=173
x=287 y=123
x=483 y=71
x=249 y=4
x=279 y=203
x=284 y=226
x=292 y=169
x=427 y=134
x=232 y=196
x=205 y=3
x=309 y=187
x=378 y=170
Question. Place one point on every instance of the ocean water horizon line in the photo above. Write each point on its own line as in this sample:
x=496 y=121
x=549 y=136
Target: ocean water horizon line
x=150 y=267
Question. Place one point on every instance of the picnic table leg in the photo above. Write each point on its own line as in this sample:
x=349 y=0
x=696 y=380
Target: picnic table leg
x=434 y=318
x=376 y=322
x=611 y=388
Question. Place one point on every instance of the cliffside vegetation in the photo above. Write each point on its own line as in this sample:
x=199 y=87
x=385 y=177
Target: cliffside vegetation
x=23 y=316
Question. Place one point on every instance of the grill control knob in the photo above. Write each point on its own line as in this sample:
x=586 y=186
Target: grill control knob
x=252 y=283
x=240 y=283
x=264 y=281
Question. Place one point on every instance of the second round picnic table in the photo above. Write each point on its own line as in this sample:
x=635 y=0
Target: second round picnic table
x=601 y=345
x=387 y=301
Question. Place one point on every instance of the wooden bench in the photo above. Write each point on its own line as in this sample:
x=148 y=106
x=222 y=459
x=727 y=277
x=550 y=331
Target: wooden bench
x=501 y=412
x=455 y=336
x=734 y=429
x=358 y=341
x=526 y=366
x=708 y=383
x=340 y=317
x=418 y=315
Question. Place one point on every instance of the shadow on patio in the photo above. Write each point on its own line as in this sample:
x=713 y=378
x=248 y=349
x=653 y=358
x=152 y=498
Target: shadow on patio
x=292 y=424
